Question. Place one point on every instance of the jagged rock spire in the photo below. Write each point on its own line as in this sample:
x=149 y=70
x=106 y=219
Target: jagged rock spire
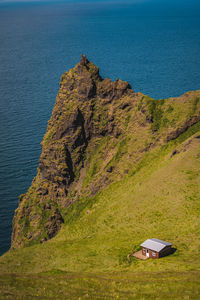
x=84 y=61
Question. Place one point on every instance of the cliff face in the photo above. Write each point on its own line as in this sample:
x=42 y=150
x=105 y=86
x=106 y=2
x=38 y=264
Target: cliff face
x=98 y=132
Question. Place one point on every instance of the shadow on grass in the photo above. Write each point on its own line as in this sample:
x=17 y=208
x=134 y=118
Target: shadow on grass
x=173 y=250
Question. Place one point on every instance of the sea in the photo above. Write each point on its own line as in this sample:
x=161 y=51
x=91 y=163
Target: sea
x=152 y=44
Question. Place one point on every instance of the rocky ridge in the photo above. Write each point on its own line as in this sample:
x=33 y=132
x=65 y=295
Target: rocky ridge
x=99 y=132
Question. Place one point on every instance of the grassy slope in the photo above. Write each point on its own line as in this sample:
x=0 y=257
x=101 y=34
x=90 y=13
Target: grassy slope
x=91 y=256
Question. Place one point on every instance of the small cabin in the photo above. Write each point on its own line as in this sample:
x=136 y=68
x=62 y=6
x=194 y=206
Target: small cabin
x=155 y=248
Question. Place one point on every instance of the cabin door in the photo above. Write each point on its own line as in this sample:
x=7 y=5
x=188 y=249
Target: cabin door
x=147 y=252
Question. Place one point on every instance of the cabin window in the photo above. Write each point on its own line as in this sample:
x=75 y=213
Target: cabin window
x=153 y=253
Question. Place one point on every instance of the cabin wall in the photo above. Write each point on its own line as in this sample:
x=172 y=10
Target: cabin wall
x=144 y=251
x=152 y=254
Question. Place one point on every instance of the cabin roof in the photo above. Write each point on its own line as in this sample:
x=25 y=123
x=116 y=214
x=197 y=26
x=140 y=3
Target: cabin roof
x=155 y=244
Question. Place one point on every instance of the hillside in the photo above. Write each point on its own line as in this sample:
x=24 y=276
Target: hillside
x=116 y=168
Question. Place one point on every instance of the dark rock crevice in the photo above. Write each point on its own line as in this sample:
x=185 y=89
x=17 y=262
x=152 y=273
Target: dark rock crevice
x=54 y=223
x=69 y=165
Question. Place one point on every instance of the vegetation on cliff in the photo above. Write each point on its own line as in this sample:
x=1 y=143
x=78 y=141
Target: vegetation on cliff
x=116 y=168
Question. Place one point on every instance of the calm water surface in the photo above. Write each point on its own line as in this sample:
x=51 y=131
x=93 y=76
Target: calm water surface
x=155 y=47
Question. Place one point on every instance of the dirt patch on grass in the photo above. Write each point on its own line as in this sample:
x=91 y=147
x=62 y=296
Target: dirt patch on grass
x=139 y=255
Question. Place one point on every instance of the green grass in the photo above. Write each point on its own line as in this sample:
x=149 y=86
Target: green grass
x=64 y=285
x=96 y=156
x=121 y=150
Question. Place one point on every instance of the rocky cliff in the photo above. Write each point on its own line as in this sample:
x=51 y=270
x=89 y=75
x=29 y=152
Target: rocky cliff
x=99 y=132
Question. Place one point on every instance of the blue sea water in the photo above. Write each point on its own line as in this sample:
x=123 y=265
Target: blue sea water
x=155 y=45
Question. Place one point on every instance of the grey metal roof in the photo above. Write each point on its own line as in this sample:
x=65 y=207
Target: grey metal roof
x=155 y=244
